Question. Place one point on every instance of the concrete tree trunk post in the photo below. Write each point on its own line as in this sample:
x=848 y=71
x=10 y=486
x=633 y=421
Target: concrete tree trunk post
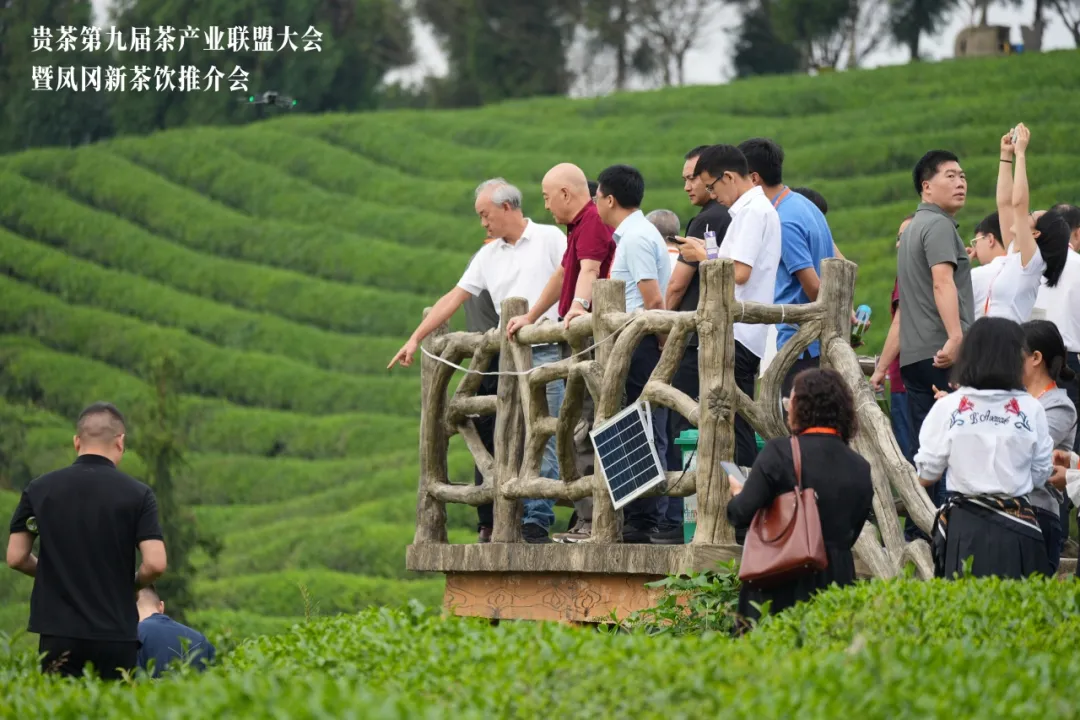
x=434 y=443
x=509 y=431
x=716 y=369
x=609 y=296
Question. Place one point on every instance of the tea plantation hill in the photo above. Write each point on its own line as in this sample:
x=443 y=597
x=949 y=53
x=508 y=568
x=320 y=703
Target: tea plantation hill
x=284 y=263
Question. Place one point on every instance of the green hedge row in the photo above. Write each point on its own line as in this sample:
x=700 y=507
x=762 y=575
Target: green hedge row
x=85 y=283
x=379 y=490
x=42 y=213
x=279 y=594
x=110 y=182
x=246 y=378
x=666 y=132
x=357 y=542
x=65 y=384
x=981 y=649
x=203 y=162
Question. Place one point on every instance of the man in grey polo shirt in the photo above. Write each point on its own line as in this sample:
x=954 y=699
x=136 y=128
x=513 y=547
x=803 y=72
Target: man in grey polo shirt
x=936 y=301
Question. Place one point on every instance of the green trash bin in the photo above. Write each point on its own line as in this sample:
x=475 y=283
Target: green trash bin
x=687 y=442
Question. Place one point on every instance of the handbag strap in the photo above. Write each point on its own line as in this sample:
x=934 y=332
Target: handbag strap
x=796 y=456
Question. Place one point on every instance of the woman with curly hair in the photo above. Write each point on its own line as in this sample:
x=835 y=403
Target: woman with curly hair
x=821 y=415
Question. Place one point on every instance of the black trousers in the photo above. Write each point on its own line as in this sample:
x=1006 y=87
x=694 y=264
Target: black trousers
x=485 y=427
x=920 y=379
x=804 y=362
x=747 y=365
x=70 y=656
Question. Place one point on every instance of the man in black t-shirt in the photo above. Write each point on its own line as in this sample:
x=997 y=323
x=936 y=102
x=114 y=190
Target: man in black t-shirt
x=684 y=289
x=90 y=518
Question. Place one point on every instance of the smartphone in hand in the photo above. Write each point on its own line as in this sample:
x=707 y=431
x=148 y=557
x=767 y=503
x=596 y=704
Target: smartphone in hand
x=733 y=470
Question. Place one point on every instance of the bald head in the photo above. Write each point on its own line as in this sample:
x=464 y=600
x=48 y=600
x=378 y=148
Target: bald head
x=100 y=430
x=665 y=221
x=566 y=192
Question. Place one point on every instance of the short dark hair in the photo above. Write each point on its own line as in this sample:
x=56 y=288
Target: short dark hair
x=1044 y=337
x=815 y=197
x=592 y=188
x=624 y=183
x=1053 y=242
x=823 y=399
x=719 y=159
x=928 y=167
x=1071 y=213
x=990 y=225
x=111 y=426
x=991 y=356
x=766 y=158
x=696 y=152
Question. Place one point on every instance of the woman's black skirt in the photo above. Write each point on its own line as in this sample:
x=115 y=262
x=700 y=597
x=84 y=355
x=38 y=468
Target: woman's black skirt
x=999 y=543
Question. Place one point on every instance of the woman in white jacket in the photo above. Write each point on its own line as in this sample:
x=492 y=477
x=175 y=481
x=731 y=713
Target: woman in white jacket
x=993 y=438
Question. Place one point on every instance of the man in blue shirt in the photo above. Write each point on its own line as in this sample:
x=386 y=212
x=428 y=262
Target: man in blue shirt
x=805 y=240
x=641 y=262
x=162 y=638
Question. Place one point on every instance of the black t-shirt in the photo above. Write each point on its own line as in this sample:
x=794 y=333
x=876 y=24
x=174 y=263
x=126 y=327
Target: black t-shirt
x=90 y=518
x=714 y=216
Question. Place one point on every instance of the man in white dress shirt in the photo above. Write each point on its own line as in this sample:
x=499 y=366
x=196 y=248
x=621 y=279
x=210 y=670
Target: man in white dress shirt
x=517 y=263
x=753 y=242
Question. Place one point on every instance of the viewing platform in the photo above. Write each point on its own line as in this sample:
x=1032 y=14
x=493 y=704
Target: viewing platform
x=584 y=582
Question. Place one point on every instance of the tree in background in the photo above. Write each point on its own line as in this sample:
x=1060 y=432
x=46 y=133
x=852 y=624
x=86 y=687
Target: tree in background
x=759 y=48
x=30 y=118
x=1069 y=12
x=676 y=27
x=361 y=40
x=499 y=49
x=159 y=441
x=910 y=19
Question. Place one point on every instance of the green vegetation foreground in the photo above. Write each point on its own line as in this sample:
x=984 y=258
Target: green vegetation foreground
x=898 y=649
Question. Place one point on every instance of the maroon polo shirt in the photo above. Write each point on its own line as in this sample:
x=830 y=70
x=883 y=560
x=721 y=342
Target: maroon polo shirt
x=588 y=238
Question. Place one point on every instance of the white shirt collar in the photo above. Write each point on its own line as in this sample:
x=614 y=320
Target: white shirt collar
x=525 y=234
x=746 y=198
x=627 y=222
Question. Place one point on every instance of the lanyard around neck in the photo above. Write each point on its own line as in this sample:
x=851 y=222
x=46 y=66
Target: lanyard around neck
x=820 y=431
x=780 y=198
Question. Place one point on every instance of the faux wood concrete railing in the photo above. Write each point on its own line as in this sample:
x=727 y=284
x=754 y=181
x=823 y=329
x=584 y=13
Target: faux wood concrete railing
x=523 y=427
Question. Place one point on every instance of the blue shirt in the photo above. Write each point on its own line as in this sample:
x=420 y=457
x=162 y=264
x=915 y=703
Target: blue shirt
x=640 y=254
x=160 y=638
x=805 y=240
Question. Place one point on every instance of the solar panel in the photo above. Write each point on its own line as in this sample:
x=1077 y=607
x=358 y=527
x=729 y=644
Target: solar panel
x=628 y=458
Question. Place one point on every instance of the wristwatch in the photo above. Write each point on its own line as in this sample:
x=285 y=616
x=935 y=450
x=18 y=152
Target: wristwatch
x=584 y=303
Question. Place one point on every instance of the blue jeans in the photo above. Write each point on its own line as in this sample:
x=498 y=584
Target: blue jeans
x=901 y=424
x=542 y=512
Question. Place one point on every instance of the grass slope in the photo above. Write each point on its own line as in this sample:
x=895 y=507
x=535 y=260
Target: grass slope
x=285 y=262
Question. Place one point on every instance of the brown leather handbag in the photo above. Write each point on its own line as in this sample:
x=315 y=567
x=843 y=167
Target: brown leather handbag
x=785 y=541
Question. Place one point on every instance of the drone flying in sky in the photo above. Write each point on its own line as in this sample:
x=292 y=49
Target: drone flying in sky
x=271 y=97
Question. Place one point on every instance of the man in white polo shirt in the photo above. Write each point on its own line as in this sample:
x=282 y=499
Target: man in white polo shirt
x=517 y=264
x=753 y=242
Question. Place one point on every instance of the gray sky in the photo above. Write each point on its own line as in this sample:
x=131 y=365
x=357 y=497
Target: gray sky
x=709 y=63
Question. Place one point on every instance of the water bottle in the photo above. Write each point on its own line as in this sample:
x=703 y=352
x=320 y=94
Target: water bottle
x=862 y=319
x=712 y=249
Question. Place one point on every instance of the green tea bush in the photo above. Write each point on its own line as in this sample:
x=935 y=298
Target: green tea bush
x=42 y=213
x=263 y=191
x=109 y=182
x=67 y=384
x=415 y=663
x=83 y=283
x=246 y=378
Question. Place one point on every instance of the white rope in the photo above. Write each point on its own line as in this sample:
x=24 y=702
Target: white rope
x=520 y=373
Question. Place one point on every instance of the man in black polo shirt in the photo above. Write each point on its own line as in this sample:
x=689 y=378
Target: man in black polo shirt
x=90 y=518
x=683 y=291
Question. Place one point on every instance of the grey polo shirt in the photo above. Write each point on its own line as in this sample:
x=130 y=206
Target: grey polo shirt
x=480 y=313
x=929 y=240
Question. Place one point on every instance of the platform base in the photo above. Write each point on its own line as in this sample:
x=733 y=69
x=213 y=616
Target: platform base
x=560 y=597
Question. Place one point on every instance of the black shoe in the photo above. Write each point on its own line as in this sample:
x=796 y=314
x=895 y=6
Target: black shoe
x=638 y=536
x=535 y=534
x=672 y=536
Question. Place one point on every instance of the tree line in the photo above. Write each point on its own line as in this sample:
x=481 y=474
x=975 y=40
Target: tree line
x=495 y=49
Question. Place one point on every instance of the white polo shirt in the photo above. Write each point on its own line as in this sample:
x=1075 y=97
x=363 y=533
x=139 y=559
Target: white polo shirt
x=1061 y=303
x=518 y=270
x=753 y=238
